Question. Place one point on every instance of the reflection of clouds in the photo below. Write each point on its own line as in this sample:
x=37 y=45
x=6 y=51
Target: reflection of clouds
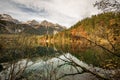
x=65 y=12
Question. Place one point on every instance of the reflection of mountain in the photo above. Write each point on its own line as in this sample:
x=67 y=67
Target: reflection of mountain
x=47 y=51
x=58 y=66
x=10 y=25
x=32 y=52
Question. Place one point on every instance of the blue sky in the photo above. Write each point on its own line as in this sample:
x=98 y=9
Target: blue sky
x=64 y=12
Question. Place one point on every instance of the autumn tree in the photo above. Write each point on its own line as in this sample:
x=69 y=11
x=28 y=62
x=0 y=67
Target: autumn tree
x=111 y=32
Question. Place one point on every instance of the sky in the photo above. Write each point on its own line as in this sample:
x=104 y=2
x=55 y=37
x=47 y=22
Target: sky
x=63 y=12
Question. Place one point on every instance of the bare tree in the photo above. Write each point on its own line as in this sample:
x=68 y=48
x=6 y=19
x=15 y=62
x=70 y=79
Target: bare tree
x=108 y=5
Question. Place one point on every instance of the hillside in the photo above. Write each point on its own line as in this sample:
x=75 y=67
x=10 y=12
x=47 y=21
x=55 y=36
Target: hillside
x=102 y=30
x=99 y=27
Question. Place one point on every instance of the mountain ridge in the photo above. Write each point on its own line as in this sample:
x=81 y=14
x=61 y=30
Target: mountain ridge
x=11 y=25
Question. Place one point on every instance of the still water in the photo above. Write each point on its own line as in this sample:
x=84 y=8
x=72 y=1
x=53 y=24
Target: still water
x=53 y=62
x=54 y=69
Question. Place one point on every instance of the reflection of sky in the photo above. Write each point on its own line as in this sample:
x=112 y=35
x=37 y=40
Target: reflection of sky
x=64 y=12
x=57 y=66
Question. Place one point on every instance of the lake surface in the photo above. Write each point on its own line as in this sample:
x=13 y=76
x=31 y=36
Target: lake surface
x=54 y=69
x=50 y=62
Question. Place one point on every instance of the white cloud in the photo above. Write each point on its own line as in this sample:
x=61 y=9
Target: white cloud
x=65 y=12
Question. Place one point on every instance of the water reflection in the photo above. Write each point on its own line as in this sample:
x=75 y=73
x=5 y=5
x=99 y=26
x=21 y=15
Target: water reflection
x=42 y=61
x=52 y=69
x=90 y=55
x=12 y=54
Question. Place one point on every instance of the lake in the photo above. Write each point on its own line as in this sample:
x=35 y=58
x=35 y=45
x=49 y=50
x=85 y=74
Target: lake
x=55 y=61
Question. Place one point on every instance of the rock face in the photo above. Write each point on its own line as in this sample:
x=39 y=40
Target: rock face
x=46 y=27
x=10 y=25
x=46 y=23
x=32 y=22
x=49 y=24
x=7 y=17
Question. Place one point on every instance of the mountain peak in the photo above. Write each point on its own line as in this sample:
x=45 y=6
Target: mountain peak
x=32 y=22
x=46 y=23
x=7 y=17
x=29 y=27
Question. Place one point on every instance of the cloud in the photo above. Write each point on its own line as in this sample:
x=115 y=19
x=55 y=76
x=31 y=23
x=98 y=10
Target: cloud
x=64 y=12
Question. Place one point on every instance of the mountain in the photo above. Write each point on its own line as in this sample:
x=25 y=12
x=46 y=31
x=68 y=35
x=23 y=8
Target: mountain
x=12 y=26
x=96 y=25
x=49 y=24
x=7 y=17
x=46 y=27
x=32 y=22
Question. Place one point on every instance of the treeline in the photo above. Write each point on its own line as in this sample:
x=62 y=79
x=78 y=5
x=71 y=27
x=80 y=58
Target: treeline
x=103 y=19
x=91 y=25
